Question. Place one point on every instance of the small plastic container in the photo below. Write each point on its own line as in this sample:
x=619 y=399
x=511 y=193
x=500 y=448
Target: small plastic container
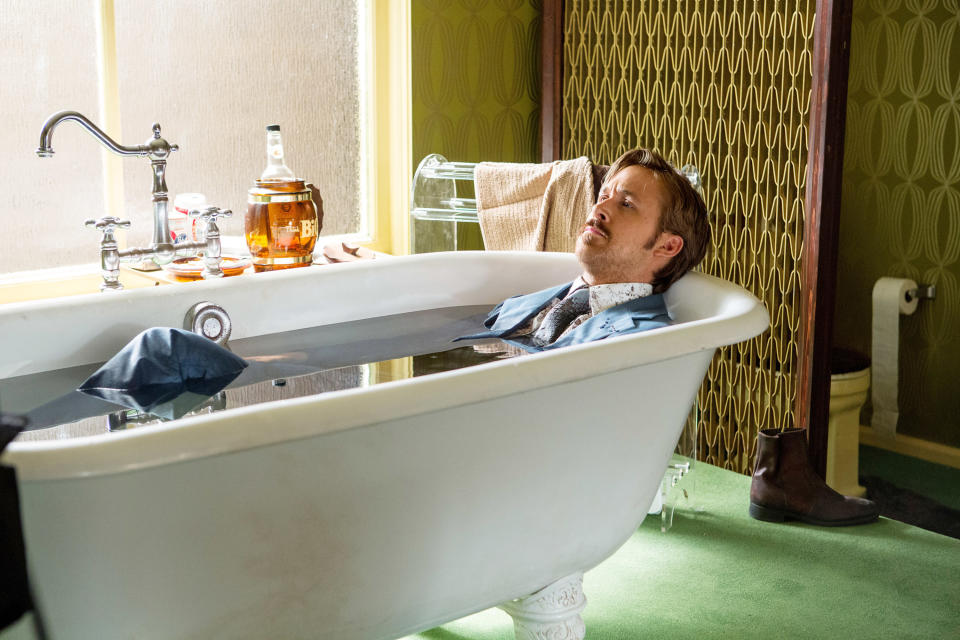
x=183 y=226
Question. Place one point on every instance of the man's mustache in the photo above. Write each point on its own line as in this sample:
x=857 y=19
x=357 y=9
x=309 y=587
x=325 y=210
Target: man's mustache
x=596 y=224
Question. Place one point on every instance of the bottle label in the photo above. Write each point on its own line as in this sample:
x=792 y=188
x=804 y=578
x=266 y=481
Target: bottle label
x=308 y=228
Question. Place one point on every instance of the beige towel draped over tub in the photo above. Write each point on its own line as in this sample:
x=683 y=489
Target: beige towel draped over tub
x=533 y=207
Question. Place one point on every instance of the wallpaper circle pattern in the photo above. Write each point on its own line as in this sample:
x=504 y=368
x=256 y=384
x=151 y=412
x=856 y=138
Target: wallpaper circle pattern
x=476 y=93
x=901 y=196
x=476 y=79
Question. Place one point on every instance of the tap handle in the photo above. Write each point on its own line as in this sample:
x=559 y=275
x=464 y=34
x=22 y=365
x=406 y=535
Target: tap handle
x=157 y=147
x=211 y=213
x=156 y=135
x=211 y=254
x=109 y=251
x=107 y=224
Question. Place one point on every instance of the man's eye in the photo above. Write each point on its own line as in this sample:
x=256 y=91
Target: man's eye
x=627 y=203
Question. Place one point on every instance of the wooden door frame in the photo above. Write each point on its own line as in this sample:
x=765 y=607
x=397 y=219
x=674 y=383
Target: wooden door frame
x=830 y=63
x=551 y=81
x=828 y=115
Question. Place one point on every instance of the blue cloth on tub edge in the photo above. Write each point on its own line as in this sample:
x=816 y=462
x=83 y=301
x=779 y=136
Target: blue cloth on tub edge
x=640 y=314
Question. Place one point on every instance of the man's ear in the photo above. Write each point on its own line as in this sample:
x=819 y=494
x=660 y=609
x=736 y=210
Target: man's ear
x=668 y=245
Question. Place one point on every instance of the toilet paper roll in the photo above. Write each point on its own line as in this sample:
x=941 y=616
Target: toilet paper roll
x=889 y=303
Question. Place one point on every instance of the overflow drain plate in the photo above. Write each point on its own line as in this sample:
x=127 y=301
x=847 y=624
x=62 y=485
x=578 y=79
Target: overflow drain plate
x=210 y=321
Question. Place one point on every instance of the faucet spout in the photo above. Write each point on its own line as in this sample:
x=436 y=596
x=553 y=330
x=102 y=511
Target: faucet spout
x=156 y=149
x=45 y=150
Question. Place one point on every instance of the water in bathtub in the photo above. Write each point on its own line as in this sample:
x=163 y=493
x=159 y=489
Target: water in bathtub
x=284 y=365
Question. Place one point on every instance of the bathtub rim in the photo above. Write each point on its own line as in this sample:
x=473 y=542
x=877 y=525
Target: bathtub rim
x=742 y=317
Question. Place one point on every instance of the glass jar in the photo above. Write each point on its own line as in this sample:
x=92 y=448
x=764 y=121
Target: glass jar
x=281 y=224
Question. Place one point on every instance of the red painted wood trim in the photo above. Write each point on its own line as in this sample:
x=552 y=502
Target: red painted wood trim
x=828 y=109
x=551 y=81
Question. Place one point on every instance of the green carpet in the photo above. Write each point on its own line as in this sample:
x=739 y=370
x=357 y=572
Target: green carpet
x=720 y=574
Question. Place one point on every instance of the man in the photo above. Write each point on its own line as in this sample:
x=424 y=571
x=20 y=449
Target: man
x=648 y=228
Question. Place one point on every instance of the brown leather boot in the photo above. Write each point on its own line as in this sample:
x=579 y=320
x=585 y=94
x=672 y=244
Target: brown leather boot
x=785 y=486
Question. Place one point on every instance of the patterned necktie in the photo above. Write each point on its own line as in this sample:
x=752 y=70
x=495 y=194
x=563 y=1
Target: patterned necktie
x=560 y=317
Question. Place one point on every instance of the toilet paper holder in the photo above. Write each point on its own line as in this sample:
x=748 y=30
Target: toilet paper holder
x=923 y=291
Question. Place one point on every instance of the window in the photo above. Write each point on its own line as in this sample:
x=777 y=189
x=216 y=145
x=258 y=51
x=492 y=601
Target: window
x=213 y=75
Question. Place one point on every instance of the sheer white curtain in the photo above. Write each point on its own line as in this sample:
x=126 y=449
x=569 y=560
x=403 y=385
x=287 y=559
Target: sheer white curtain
x=49 y=63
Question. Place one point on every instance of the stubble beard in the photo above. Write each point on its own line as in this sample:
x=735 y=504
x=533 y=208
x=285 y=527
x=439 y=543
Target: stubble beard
x=596 y=261
x=606 y=263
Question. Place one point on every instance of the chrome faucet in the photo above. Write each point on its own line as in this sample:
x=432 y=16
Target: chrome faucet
x=161 y=250
x=111 y=255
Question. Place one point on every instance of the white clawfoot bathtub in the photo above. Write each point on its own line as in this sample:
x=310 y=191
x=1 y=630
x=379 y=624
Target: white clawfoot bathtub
x=360 y=514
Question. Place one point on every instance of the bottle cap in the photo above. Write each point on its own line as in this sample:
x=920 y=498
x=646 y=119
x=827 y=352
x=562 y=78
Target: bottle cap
x=185 y=202
x=273 y=127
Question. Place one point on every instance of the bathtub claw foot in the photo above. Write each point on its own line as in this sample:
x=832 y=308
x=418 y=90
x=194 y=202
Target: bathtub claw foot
x=553 y=613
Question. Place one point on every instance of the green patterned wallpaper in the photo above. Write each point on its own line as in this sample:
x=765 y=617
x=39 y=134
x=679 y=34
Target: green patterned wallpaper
x=901 y=197
x=725 y=86
x=476 y=91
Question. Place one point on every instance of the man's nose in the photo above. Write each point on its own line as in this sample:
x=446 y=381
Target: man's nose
x=600 y=211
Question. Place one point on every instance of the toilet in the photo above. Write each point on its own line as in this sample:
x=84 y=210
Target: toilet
x=849 y=383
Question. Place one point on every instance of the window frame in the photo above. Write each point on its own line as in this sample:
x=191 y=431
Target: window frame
x=385 y=141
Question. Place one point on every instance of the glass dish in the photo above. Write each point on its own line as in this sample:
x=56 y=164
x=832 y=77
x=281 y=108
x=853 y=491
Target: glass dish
x=192 y=268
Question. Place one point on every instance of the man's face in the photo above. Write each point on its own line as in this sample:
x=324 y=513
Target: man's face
x=619 y=242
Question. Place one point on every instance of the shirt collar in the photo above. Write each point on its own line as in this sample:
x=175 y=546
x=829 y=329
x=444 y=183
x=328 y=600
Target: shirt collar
x=604 y=296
